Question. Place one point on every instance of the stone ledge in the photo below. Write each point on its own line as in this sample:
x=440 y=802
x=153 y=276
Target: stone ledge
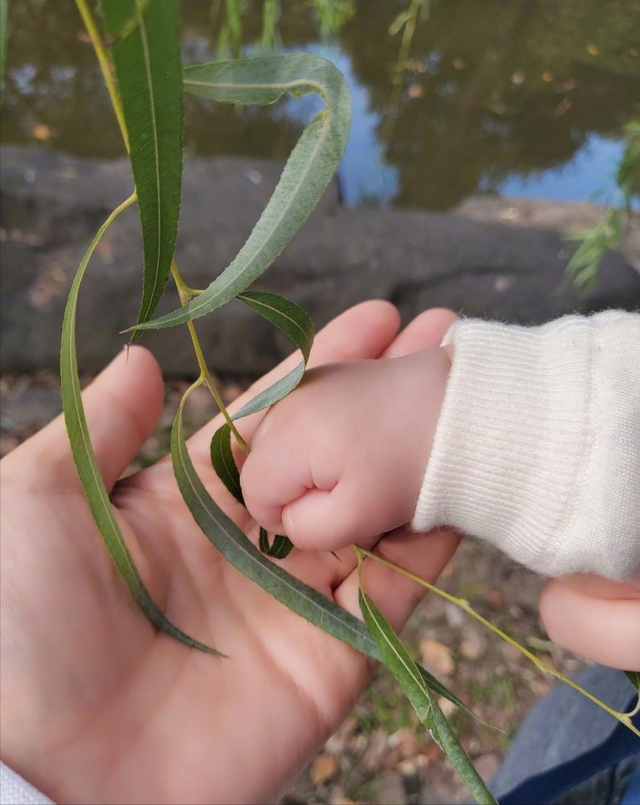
x=471 y=260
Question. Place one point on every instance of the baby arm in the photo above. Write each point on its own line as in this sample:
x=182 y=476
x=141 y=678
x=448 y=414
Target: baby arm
x=531 y=441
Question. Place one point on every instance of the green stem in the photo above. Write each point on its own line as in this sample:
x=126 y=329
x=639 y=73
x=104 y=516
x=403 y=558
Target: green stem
x=400 y=68
x=184 y=291
x=181 y=286
x=624 y=718
x=191 y=389
x=105 y=67
x=205 y=374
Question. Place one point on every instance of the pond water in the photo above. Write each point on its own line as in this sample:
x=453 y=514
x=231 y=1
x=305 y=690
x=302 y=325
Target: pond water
x=523 y=98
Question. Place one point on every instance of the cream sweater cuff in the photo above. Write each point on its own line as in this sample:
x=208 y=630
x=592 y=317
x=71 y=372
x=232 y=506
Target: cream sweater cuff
x=537 y=448
x=16 y=791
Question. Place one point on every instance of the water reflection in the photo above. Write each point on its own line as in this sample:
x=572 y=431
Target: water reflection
x=527 y=97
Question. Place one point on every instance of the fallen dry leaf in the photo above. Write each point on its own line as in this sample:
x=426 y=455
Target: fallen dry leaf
x=437 y=657
x=323 y=768
x=42 y=132
x=473 y=646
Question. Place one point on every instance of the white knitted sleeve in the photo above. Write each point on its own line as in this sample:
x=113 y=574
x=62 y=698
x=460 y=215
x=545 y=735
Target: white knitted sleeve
x=16 y=791
x=537 y=448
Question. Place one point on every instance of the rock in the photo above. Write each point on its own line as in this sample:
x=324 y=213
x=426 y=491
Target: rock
x=52 y=205
x=447 y=706
x=435 y=793
x=432 y=608
x=338 y=798
x=390 y=790
x=375 y=750
x=323 y=768
x=454 y=615
x=511 y=655
x=567 y=217
x=7 y=444
x=29 y=407
x=406 y=743
x=473 y=645
x=495 y=598
x=437 y=657
x=339 y=741
x=487 y=766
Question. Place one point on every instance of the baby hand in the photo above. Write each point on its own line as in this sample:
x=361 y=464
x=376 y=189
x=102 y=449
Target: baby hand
x=342 y=459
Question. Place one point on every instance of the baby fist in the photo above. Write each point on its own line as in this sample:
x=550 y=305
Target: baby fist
x=341 y=459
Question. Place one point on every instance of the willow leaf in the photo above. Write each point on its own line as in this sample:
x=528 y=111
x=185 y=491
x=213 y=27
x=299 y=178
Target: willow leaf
x=400 y=21
x=463 y=604
x=85 y=459
x=285 y=314
x=398 y=660
x=294 y=322
x=305 y=177
x=634 y=678
x=242 y=554
x=149 y=73
x=273 y=394
x=224 y=463
x=4 y=12
x=280 y=548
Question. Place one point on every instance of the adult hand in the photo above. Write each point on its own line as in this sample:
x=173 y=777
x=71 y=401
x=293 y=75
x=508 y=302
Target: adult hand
x=98 y=707
x=594 y=617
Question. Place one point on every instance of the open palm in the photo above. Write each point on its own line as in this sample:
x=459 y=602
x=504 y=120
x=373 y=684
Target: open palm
x=99 y=707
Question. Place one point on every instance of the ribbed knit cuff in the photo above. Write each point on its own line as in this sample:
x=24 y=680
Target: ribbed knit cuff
x=16 y=791
x=518 y=442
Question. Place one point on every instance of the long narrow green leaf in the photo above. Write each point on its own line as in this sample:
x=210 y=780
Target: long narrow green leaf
x=294 y=322
x=398 y=660
x=634 y=678
x=4 y=12
x=242 y=554
x=224 y=463
x=285 y=314
x=306 y=175
x=85 y=459
x=149 y=73
x=226 y=468
x=280 y=548
x=274 y=393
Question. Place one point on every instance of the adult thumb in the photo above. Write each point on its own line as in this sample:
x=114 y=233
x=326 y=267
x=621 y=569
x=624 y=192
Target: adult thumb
x=122 y=407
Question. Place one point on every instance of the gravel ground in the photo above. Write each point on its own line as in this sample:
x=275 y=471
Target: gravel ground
x=381 y=754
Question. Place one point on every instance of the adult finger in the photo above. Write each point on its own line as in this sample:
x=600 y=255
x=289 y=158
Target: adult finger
x=122 y=407
x=605 y=631
x=424 y=555
x=426 y=330
x=597 y=587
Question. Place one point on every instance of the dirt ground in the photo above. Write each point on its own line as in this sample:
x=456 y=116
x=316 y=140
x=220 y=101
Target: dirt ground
x=381 y=754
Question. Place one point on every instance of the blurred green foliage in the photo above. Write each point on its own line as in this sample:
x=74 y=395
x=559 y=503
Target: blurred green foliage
x=608 y=233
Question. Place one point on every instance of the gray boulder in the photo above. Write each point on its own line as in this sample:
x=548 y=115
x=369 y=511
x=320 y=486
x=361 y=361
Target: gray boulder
x=477 y=263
